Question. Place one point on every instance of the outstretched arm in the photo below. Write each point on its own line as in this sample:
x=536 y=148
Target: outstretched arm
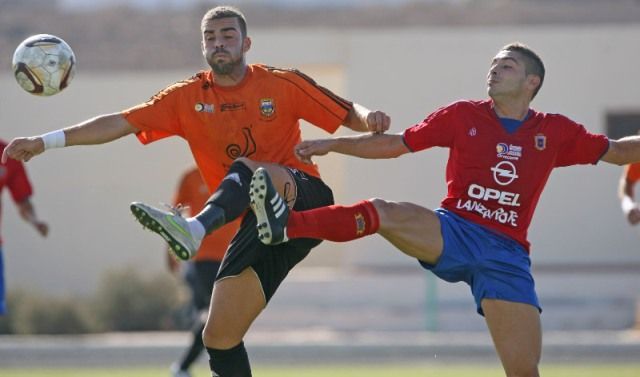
x=623 y=151
x=28 y=213
x=362 y=119
x=98 y=130
x=372 y=146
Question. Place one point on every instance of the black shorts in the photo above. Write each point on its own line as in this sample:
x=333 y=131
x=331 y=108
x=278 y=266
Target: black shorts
x=273 y=263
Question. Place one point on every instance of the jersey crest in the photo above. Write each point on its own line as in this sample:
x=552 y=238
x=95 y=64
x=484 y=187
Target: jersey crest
x=540 y=142
x=267 y=107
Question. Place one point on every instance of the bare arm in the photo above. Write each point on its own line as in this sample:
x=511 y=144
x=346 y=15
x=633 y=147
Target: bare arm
x=626 y=187
x=623 y=151
x=627 y=199
x=28 y=213
x=374 y=146
x=362 y=119
x=99 y=130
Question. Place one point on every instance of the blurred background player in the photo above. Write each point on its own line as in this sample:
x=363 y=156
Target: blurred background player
x=630 y=176
x=200 y=272
x=14 y=176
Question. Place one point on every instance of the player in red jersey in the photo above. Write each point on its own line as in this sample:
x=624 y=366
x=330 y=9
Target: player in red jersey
x=13 y=176
x=630 y=176
x=501 y=155
x=235 y=117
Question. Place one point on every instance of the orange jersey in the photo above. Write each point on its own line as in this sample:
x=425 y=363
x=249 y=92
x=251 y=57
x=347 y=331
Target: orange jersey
x=258 y=118
x=632 y=173
x=193 y=192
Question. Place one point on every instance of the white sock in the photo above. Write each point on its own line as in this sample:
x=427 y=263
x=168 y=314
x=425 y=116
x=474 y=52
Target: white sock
x=196 y=228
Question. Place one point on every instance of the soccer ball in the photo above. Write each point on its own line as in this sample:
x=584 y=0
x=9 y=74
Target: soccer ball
x=43 y=64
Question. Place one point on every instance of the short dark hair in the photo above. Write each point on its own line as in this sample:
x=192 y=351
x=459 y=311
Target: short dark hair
x=225 y=11
x=532 y=62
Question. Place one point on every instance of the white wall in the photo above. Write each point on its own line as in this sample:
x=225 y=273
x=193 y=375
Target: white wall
x=84 y=192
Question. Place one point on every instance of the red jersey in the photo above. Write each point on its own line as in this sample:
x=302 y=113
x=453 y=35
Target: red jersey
x=258 y=118
x=14 y=177
x=495 y=178
x=632 y=172
x=193 y=192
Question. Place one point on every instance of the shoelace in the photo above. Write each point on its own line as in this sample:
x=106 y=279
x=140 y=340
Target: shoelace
x=177 y=210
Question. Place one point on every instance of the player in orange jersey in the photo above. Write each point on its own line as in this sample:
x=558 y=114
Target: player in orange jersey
x=236 y=117
x=630 y=176
x=201 y=271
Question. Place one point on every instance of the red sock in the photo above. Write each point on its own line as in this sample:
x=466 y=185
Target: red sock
x=334 y=223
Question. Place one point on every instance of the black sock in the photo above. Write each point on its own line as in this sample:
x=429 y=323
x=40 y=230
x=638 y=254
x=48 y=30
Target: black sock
x=233 y=362
x=230 y=199
x=196 y=347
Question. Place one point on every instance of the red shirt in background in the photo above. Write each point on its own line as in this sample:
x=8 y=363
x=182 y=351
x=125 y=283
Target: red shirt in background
x=13 y=176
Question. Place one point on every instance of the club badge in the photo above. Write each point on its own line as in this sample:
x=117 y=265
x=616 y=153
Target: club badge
x=540 y=142
x=267 y=107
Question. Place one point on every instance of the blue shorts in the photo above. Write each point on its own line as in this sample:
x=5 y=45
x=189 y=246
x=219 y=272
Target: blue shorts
x=494 y=266
x=3 y=302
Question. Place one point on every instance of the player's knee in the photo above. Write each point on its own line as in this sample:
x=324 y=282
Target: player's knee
x=215 y=337
x=389 y=212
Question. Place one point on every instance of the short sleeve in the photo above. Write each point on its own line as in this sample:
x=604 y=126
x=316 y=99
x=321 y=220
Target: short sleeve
x=632 y=172
x=314 y=103
x=579 y=146
x=18 y=183
x=156 y=118
x=436 y=130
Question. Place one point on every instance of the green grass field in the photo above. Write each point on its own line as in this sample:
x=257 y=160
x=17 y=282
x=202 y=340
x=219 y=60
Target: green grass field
x=594 y=370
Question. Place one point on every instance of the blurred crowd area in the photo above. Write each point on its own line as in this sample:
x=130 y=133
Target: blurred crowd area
x=125 y=35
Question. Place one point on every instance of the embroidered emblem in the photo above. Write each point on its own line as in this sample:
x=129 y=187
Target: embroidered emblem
x=360 y=224
x=540 y=142
x=267 y=107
